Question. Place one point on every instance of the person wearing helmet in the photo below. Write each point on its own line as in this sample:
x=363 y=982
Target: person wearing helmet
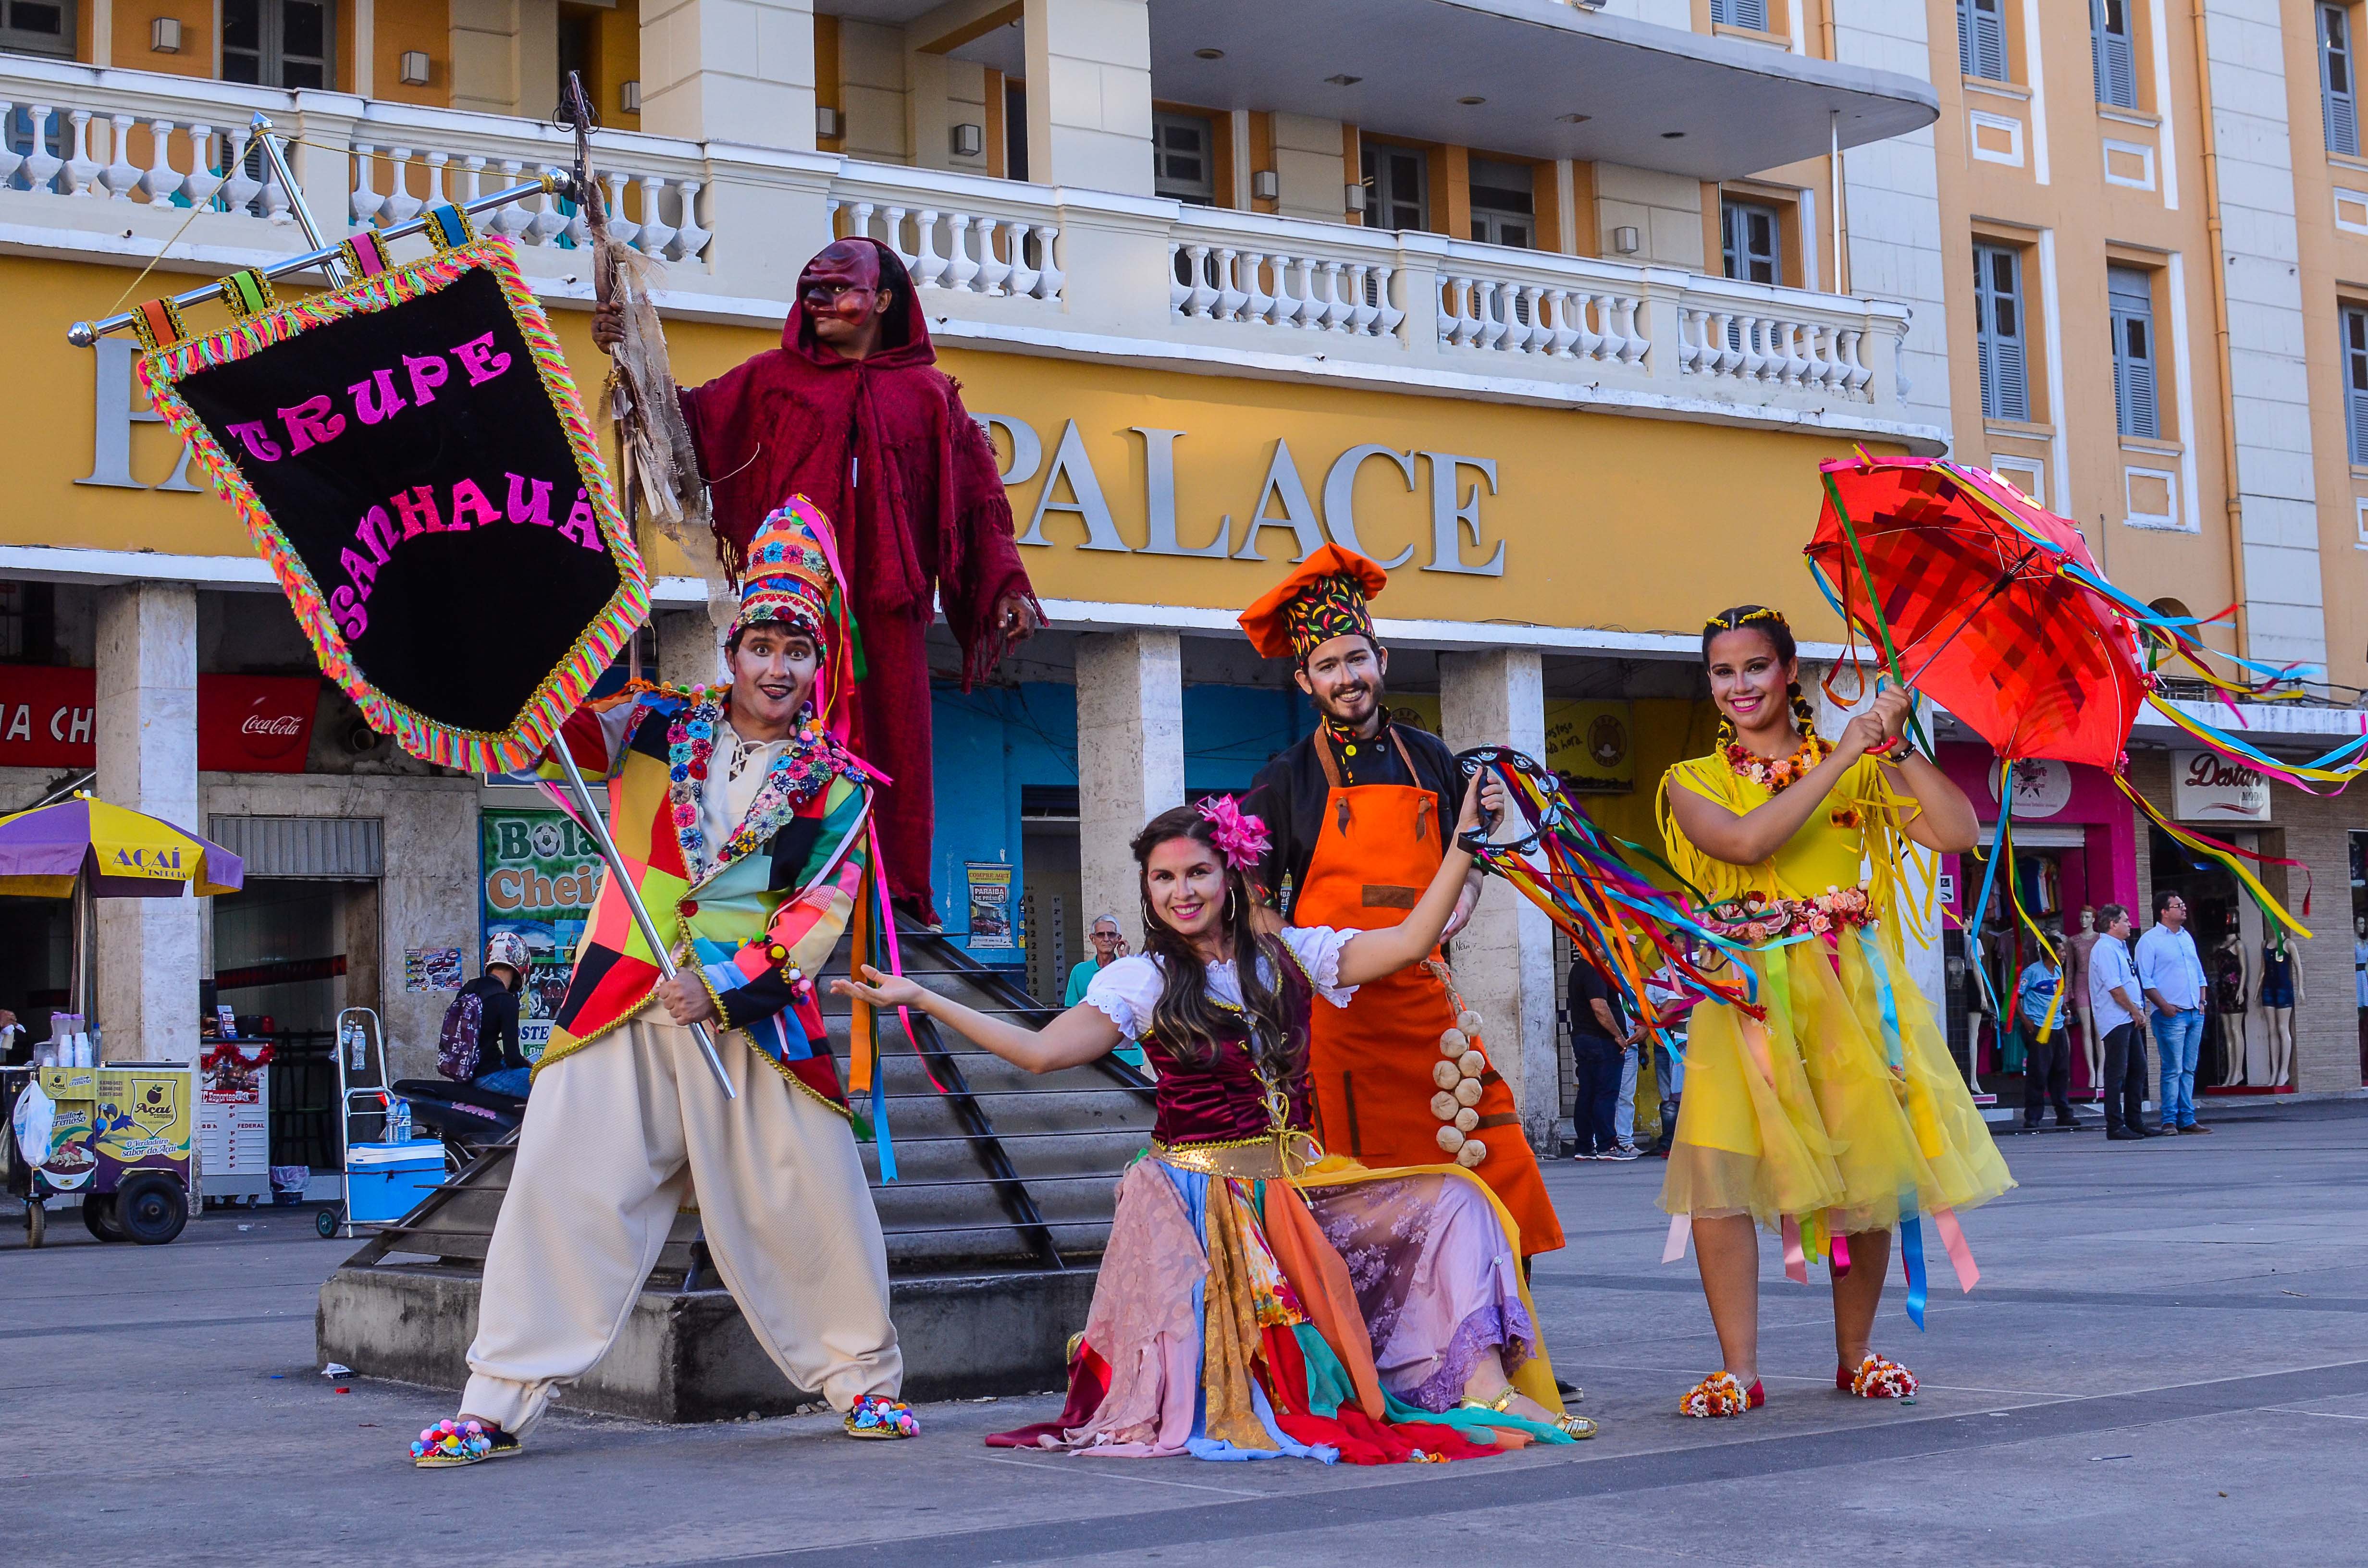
x=501 y=1066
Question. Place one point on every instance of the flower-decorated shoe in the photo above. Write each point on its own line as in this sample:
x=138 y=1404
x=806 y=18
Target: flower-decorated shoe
x=877 y=1418
x=1877 y=1376
x=1721 y=1393
x=450 y=1444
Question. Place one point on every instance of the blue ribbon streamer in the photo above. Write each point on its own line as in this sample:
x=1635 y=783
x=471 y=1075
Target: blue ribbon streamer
x=1912 y=1256
x=1884 y=999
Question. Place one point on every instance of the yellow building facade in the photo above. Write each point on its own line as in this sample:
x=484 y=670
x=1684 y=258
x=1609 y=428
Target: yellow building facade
x=1555 y=308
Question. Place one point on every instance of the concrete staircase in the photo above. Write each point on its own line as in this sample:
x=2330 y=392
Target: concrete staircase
x=1007 y=1182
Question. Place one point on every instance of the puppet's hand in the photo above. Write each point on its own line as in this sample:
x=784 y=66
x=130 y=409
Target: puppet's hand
x=1015 y=618
x=608 y=326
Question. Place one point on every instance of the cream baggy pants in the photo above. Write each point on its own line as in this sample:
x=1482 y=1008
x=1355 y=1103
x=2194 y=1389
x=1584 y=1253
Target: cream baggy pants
x=616 y=1136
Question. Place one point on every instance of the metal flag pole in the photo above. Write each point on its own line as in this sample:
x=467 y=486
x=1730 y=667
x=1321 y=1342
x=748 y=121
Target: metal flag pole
x=83 y=333
x=599 y=827
x=277 y=158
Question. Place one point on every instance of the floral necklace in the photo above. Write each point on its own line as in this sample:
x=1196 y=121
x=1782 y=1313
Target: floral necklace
x=805 y=764
x=1778 y=776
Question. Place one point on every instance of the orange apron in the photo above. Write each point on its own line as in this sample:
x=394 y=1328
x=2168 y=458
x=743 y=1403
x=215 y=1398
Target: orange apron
x=1370 y=1063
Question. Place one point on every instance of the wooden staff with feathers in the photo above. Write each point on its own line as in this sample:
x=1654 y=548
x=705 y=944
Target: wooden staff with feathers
x=657 y=467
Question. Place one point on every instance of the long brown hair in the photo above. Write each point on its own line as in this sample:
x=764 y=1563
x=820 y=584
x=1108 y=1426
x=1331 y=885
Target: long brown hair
x=1187 y=1019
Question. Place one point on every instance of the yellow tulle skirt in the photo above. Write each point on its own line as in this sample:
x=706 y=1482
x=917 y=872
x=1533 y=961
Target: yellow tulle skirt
x=1805 y=1117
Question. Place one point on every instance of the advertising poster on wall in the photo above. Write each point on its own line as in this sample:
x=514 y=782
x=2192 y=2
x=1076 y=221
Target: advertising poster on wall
x=541 y=875
x=990 y=906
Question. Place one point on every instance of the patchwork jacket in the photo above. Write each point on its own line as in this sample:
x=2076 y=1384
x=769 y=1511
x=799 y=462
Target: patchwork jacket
x=754 y=917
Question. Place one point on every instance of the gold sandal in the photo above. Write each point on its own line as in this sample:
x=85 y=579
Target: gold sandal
x=1578 y=1429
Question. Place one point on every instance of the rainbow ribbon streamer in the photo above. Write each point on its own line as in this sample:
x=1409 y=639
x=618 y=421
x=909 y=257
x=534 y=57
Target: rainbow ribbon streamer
x=1622 y=925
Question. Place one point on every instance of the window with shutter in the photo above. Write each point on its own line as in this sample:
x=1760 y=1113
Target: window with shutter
x=1981 y=39
x=1998 y=328
x=2109 y=53
x=1752 y=14
x=2336 y=94
x=2355 y=379
x=2130 y=293
x=1749 y=234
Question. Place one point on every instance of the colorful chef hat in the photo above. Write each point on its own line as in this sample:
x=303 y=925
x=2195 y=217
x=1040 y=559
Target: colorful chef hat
x=788 y=577
x=1324 y=597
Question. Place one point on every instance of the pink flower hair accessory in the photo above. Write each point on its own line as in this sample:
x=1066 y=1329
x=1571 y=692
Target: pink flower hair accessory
x=1242 y=835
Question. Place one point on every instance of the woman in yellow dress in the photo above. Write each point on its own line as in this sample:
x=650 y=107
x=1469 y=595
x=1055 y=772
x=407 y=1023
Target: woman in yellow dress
x=1841 y=1114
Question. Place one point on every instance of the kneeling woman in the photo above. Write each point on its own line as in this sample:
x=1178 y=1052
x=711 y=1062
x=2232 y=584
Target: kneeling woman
x=1258 y=1299
x=1841 y=1114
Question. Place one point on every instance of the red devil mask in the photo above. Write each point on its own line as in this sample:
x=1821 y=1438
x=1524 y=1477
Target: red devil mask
x=842 y=281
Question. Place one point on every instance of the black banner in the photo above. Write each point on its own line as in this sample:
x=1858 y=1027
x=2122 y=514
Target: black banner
x=411 y=456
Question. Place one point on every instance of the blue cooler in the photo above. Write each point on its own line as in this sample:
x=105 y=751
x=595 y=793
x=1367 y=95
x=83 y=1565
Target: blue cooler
x=386 y=1181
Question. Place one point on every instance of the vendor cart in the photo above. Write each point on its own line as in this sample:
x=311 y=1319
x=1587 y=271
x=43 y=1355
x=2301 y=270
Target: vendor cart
x=118 y=1136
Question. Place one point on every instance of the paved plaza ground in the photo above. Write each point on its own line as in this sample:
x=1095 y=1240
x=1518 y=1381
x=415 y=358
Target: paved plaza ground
x=2167 y=1363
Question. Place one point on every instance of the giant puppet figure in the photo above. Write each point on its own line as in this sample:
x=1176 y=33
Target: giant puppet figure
x=744 y=824
x=1360 y=810
x=851 y=413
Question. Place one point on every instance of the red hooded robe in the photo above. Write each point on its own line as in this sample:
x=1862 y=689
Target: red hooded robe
x=884 y=446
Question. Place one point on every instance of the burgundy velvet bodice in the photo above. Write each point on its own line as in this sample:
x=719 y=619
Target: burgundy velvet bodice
x=1220 y=1099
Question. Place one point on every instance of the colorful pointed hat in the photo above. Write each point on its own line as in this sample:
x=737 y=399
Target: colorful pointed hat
x=789 y=577
x=1324 y=597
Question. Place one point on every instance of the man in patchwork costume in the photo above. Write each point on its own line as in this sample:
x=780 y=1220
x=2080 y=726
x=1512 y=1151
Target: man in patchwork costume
x=746 y=826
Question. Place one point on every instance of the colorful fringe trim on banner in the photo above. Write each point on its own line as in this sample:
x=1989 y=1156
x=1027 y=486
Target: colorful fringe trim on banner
x=559 y=692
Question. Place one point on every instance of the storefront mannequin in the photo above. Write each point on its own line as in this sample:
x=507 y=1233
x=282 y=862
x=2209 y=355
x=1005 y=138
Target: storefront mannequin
x=2360 y=985
x=2231 y=970
x=2280 y=990
x=2092 y=1049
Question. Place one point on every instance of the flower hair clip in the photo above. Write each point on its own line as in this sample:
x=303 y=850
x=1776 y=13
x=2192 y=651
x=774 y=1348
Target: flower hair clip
x=1240 y=834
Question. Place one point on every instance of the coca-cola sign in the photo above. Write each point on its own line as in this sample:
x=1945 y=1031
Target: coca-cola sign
x=48 y=718
x=2209 y=788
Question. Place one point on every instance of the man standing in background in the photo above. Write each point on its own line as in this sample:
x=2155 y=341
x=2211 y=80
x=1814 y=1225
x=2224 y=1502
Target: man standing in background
x=2113 y=1003
x=1601 y=1049
x=2172 y=974
x=1110 y=946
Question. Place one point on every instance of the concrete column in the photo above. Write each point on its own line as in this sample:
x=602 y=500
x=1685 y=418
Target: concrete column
x=147 y=743
x=1504 y=960
x=690 y=650
x=1089 y=95
x=1130 y=759
x=731 y=71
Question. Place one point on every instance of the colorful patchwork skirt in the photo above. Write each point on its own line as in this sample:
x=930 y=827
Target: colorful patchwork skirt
x=1239 y=1316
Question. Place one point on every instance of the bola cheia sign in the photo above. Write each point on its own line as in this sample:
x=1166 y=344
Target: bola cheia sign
x=48 y=718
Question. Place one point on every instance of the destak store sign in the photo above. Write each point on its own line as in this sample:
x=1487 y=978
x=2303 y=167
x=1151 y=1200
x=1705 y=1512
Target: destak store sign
x=48 y=718
x=2208 y=788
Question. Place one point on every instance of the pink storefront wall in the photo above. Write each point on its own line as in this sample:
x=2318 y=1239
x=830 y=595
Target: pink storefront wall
x=2107 y=870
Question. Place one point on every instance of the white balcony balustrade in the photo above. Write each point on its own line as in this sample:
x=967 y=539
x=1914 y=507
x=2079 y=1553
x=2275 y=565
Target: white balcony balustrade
x=1748 y=342
x=152 y=159
x=90 y=157
x=955 y=234
x=1511 y=315
x=1281 y=288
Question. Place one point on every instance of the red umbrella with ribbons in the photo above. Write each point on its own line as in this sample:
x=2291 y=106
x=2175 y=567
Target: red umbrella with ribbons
x=1960 y=580
x=1985 y=601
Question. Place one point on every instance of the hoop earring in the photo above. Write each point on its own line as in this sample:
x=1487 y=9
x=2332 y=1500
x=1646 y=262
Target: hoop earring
x=1229 y=905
